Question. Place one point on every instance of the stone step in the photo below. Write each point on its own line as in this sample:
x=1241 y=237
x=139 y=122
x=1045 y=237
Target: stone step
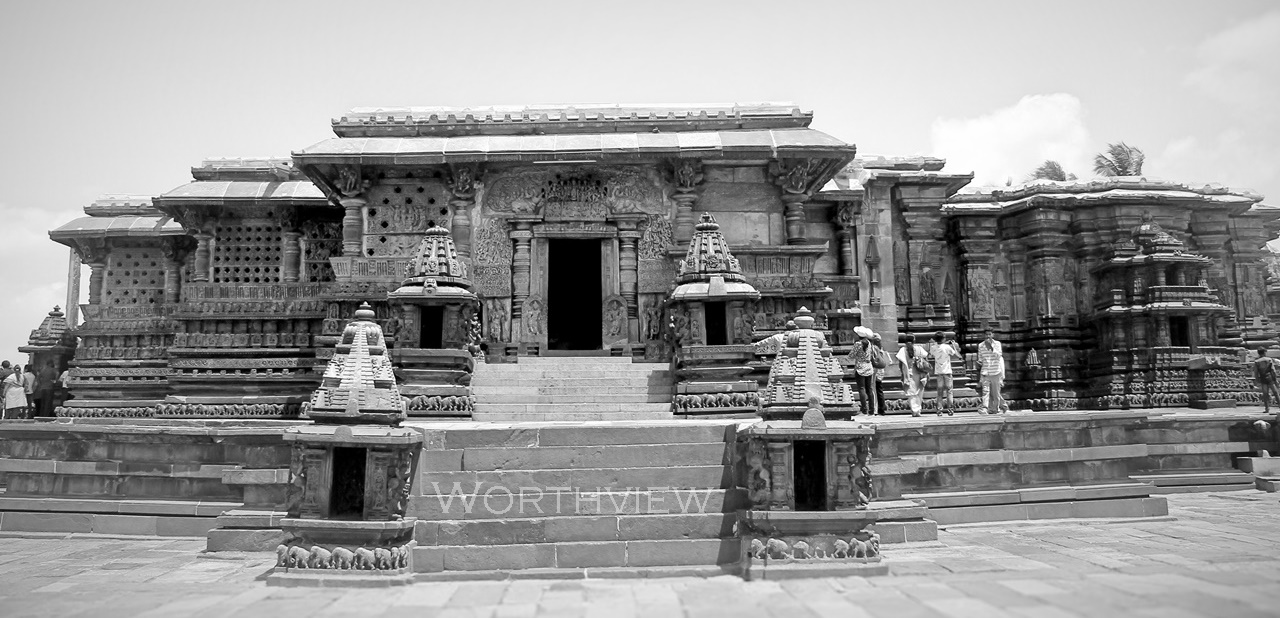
x=1191 y=489
x=541 y=389
x=576 y=479
x=585 y=505
x=575 y=529
x=579 y=360
x=567 y=457
x=1151 y=506
x=570 y=408
x=568 y=373
x=477 y=435
x=574 y=383
x=640 y=553
x=588 y=397
x=1180 y=478
x=117 y=486
x=577 y=417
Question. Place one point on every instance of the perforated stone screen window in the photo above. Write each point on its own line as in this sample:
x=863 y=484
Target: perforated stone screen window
x=247 y=253
x=135 y=275
x=398 y=215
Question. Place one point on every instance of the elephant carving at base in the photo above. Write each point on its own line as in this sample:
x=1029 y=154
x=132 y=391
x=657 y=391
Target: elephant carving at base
x=342 y=558
x=863 y=546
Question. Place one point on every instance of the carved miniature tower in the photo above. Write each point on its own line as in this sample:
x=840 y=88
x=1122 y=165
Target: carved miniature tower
x=438 y=310
x=710 y=315
x=351 y=472
x=805 y=373
x=52 y=343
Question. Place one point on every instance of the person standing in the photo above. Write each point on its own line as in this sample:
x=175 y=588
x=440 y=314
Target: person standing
x=44 y=390
x=914 y=362
x=991 y=374
x=1264 y=375
x=943 y=352
x=863 y=372
x=15 y=396
x=29 y=385
x=877 y=352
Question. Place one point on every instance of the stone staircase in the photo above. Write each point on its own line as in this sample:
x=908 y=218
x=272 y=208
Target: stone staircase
x=572 y=388
x=617 y=498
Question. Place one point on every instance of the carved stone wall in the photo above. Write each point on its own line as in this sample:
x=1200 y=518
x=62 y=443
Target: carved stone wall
x=399 y=213
x=134 y=274
x=247 y=251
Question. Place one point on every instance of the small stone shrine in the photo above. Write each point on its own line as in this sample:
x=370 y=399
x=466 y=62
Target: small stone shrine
x=1157 y=326
x=711 y=314
x=437 y=309
x=351 y=472
x=808 y=482
x=805 y=371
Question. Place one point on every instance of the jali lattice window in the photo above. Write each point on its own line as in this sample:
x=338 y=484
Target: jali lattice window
x=135 y=275
x=247 y=253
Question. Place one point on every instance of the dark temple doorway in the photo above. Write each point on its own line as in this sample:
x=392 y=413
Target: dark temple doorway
x=810 y=475
x=573 y=294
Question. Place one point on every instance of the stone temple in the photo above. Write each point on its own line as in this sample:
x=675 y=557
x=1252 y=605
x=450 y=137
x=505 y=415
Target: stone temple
x=528 y=266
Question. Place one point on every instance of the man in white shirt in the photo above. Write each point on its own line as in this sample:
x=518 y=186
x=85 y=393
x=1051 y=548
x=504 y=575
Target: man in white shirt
x=991 y=372
x=943 y=352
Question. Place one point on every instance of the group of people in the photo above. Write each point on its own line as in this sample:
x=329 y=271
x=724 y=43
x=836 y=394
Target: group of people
x=918 y=364
x=28 y=391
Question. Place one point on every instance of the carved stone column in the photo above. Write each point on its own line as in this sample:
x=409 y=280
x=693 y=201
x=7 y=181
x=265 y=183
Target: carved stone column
x=782 y=487
x=795 y=177
x=628 y=262
x=73 y=289
x=352 y=225
x=173 y=253
x=686 y=175
x=291 y=257
x=462 y=185
x=97 y=272
x=846 y=218
x=200 y=272
x=522 y=235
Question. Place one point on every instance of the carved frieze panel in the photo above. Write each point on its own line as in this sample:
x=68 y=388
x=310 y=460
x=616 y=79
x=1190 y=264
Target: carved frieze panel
x=492 y=254
x=981 y=293
x=571 y=194
x=398 y=214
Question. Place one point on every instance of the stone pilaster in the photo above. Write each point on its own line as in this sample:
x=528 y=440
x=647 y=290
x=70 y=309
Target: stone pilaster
x=173 y=257
x=73 y=289
x=291 y=257
x=793 y=213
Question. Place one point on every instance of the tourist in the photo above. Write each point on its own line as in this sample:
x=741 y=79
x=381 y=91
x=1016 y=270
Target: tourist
x=863 y=372
x=1265 y=376
x=913 y=359
x=44 y=390
x=879 y=360
x=5 y=369
x=943 y=352
x=15 y=396
x=29 y=385
x=991 y=372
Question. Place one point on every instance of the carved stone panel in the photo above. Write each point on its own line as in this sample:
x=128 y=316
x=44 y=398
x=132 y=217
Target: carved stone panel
x=569 y=194
x=534 y=321
x=492 y=255
x=614 y=321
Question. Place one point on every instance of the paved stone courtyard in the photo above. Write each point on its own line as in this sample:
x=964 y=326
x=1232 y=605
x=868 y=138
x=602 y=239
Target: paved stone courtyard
x=1217 y=555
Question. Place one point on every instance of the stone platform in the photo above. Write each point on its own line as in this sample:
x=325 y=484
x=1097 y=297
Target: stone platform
x=620 y=496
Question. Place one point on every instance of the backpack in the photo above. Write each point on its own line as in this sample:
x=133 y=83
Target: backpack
x=879 y=358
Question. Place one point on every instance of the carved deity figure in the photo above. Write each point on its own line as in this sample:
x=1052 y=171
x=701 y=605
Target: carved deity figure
x=349 y=182
x=615 y=320
x=759 y=480
x=533 y=317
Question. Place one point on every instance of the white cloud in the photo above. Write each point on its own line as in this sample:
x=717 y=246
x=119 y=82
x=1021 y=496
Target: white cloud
x=1240 y=65
x=34 y=272
x=1012 y=141
x=1231 y=157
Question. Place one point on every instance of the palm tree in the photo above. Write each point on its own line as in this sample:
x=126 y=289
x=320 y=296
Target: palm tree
x=1120 y=159
x=1051 y=170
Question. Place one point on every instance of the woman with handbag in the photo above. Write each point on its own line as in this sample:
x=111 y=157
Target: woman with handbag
x=915 y=364
x=15 y=396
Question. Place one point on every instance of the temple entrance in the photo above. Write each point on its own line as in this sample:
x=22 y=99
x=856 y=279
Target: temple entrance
x=573 y=294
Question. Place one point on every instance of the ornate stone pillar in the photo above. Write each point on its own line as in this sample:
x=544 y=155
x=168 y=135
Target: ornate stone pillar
x=352 y=225
x=200 y=271
x=173 y=257
x=522 y=235
x=462 y=185
x=846 y=217
x=291 y=257
x=97 y=272
x=351 y=187
x=73 y=289
x=686 y=175
x=795 y=176
x=628 y=262
x=782 y=488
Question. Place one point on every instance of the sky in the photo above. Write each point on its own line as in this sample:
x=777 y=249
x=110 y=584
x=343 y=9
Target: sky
x=125 y=97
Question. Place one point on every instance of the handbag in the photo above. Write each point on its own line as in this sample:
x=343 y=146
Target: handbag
x=879 y=358
x=921 y=364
